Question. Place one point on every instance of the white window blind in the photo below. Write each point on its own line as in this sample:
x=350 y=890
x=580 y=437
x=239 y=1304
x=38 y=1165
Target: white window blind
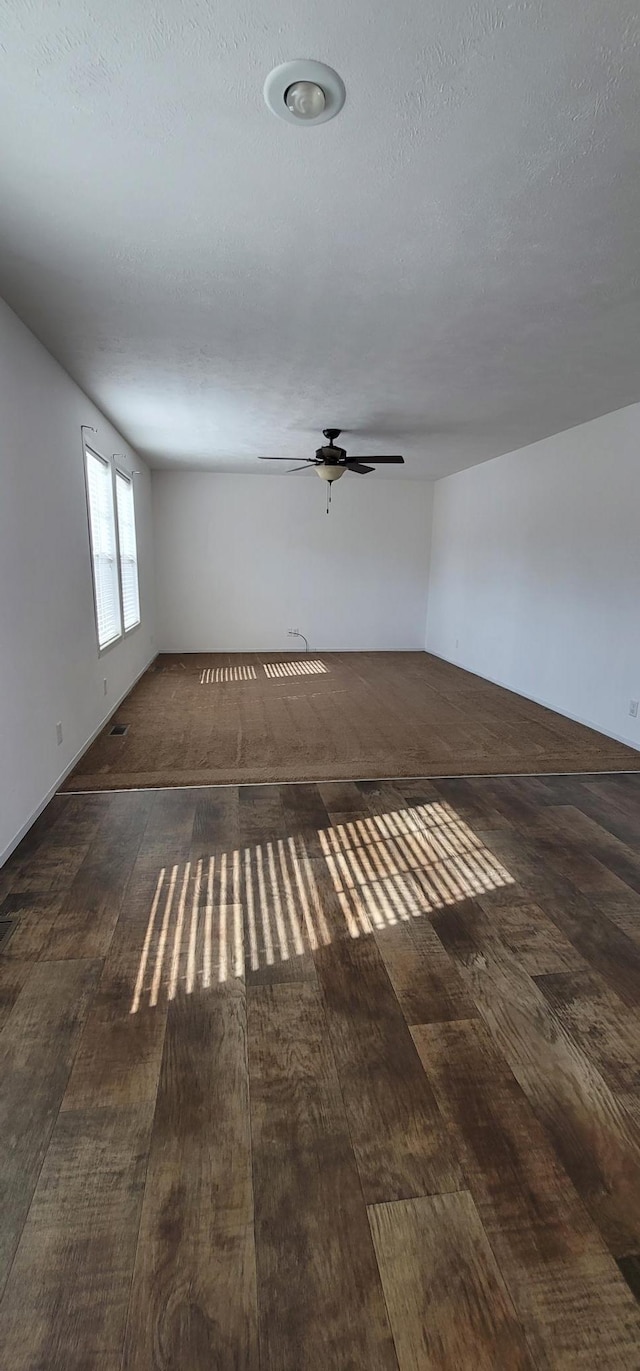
x=128 y=551
x=103 y=548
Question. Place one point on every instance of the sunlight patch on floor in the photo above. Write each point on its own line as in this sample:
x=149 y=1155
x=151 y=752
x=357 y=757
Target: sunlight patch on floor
x=306 y=668
x=385 y=865
x=215 y=674
x=267 y=903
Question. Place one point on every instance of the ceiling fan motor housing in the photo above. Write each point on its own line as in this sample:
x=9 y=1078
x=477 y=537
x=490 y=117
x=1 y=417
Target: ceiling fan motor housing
x=331 y=453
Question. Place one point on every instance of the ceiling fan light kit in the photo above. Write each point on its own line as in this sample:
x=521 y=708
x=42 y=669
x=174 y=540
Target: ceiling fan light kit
x=331 y=461
x=330 y=473
x=304 y=92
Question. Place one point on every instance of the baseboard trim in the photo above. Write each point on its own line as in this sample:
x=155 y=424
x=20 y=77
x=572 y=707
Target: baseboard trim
x=281 y=651
x=535 y=700
x=24 y=829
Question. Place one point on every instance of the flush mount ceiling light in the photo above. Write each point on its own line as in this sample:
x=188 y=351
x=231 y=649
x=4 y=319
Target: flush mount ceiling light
x=304 y=92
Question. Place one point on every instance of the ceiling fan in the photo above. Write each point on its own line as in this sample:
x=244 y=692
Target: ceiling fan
x=331 y=462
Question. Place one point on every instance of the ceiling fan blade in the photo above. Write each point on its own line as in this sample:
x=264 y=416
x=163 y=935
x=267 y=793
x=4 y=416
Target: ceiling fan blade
x=399 y=461
x=305 y=467
x=359 y=467
x=261 y=458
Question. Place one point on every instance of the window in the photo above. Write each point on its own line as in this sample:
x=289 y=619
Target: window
x=106 y=584
x=128 y=551
x=114 y=553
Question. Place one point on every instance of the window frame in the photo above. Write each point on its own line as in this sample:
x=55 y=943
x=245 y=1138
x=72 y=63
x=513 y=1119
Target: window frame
x=90 y=449
x=128 y=477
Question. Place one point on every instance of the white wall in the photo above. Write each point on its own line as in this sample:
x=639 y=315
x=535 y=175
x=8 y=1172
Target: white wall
x=241 y=559
x=50 y=669
x=535 y=571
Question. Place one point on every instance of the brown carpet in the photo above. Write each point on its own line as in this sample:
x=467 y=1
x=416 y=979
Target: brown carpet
x=204 y=719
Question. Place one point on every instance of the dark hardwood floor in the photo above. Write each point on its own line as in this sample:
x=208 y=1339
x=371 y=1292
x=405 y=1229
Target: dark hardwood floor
x=329 y=1077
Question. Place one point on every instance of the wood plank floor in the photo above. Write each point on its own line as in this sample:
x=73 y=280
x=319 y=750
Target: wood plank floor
x=329 y=1077
x=209 y=719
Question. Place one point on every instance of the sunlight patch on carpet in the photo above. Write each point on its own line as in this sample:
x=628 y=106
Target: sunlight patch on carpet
x=278 y=669
x=214 y=674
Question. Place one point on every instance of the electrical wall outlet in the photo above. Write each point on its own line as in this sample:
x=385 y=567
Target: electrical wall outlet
x=59 y=733
x=104 y=686
x=633 y=708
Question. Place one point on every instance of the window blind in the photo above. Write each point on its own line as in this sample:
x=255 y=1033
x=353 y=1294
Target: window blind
x=103 y=548
x=128 y=551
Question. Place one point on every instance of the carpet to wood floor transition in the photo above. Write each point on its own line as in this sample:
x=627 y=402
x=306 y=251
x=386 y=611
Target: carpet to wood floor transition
x=204 y=719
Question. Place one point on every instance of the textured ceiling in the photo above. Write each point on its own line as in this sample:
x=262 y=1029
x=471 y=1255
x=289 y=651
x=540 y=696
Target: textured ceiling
x=451 y=268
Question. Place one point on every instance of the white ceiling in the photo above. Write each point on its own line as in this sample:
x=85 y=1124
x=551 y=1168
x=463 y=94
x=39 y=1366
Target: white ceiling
x=451 y=268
